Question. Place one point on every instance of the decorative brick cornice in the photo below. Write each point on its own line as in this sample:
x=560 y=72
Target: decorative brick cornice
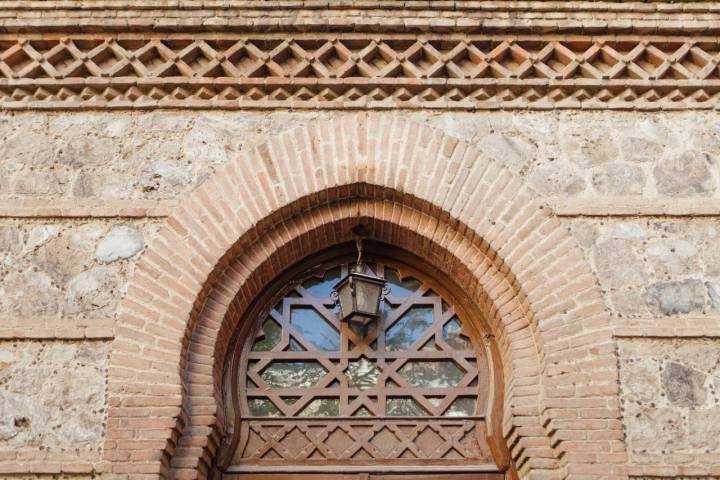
x=359 y=71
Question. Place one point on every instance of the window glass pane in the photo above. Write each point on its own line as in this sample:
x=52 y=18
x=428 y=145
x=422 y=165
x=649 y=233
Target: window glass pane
x=432 y=374
x=362 y=374
x=362 y=412
x=452 y=333
x=262 y=407
x=461 y=407
x=293 y=374
x=323 y=287
x=409 y=328
x=294 y=346
x=315 y=328
x=400 y=288
x=271 y=333
x=404 y=407
x=322 y=407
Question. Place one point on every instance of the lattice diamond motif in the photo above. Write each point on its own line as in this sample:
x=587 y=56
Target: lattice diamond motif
x=555 y=60
x=374 y=59
x=155 y=59
x=465 y=60
x=199 y=57
x=339 y=442
x=651 y=62
x=361 y=441
x=335 y=60
x=509 y=60
x=62 y=60
x=423 y=60
x=489 y=68
x=104 y=57
x=295 y=443
x=428 y=441
x=289 y=59
x=607 y=61
x=20 y=63
x=702 y=62
x=385 y=441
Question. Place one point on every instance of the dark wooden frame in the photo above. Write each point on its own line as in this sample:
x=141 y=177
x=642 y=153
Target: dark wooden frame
x=477 y=330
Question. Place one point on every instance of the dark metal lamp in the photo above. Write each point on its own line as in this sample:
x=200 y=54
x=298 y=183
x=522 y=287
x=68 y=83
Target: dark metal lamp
x=361 y=291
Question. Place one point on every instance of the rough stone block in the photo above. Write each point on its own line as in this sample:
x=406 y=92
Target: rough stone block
x=52 y=395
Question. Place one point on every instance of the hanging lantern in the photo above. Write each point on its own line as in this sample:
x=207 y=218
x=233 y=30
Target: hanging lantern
x=360 y=292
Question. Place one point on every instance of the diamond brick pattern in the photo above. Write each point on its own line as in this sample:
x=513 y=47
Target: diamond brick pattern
x=305 y=70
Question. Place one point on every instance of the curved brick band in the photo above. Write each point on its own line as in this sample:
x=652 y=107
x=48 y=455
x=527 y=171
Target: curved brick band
x=423 y=191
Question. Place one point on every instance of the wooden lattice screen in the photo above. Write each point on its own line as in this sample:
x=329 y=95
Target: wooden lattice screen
x=409 y=391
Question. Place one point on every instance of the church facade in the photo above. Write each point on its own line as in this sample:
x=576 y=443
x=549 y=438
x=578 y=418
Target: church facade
x=197 y=200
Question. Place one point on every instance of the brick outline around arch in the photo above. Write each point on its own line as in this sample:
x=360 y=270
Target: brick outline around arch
x=427 y=192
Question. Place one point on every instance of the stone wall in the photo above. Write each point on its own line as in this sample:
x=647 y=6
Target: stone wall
x=654 y=267
x=53 y=400
x=671 y=401
x=70 y=269
x=164 y=154
x=75 y=268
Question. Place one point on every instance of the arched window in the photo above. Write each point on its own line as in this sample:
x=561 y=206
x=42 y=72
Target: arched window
x=409 y=392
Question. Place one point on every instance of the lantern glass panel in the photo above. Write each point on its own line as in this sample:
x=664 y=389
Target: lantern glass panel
x=368 y=296
x=346 y=299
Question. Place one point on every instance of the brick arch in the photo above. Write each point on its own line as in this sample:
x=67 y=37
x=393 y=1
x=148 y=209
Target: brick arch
x=196 y=276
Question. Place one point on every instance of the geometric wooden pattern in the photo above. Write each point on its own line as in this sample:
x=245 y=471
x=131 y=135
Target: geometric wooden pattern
x=480 y=71
x=274 y=442
x=409 y=387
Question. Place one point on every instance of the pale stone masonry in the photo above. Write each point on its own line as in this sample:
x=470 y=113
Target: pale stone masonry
x=161 y=163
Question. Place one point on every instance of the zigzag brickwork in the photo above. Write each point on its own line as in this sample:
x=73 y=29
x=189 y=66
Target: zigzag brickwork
x=359 y=71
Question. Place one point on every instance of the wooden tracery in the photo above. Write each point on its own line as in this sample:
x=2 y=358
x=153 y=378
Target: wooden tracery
x=411 y=392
